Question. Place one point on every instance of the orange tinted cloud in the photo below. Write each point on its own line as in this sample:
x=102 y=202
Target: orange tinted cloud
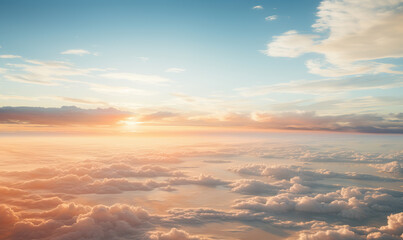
x=66 y=115
x=21 y=118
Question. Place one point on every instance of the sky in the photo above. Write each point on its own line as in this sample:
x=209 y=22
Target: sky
x=244 y=65
x=201 y=120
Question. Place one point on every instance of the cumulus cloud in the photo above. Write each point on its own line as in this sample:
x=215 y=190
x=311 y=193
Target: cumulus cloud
x=174 y=234
x=253 y=187
x=392 y=167
x=395 y=224
x=350 y=202
x=7 y=220
x=298 y=188
x=310 y=155
x=79 y=222
x=289 y=172
x=85 y=185
x=62 y=201
x=392 y=231
x=202 y=179
x=341 y=233
x=358 y=32
x=74 y=221
x=66 y=115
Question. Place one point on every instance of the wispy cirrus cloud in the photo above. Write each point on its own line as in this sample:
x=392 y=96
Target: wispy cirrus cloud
x=175 y=70
x=51 y=73
x=325 y=86
x=79 y=52
x=43 y=72
x=84 y=101
x=9 y=56
x=151 y=79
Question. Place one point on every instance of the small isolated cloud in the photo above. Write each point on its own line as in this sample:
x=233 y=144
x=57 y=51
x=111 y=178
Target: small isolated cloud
x=258 y=7
x=79 y=52
x=9 y=56
x=175 y=70
x=271 y=18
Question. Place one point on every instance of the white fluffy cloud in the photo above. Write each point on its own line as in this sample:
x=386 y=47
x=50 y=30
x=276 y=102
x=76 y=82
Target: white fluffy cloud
x=392 y=167
x=280 y=47
x=392 y=231
x=253 y=187
x=338 y=234
x=287 y=172
x=351 y=34
x=174 y=234
x=350 y=202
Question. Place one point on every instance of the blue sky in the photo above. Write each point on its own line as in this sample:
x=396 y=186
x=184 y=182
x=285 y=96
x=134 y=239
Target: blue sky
x=214 y=57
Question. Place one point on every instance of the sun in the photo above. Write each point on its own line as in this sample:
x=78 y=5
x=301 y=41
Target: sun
x=130 y=124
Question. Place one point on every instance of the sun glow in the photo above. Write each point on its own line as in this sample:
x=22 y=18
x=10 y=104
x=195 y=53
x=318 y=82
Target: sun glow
x=130 y=125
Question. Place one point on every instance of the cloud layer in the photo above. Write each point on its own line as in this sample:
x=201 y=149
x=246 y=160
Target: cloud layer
x=144 y=195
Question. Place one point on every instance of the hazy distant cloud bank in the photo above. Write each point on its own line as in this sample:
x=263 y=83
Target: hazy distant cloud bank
x=65 y=115
x=367 y=123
